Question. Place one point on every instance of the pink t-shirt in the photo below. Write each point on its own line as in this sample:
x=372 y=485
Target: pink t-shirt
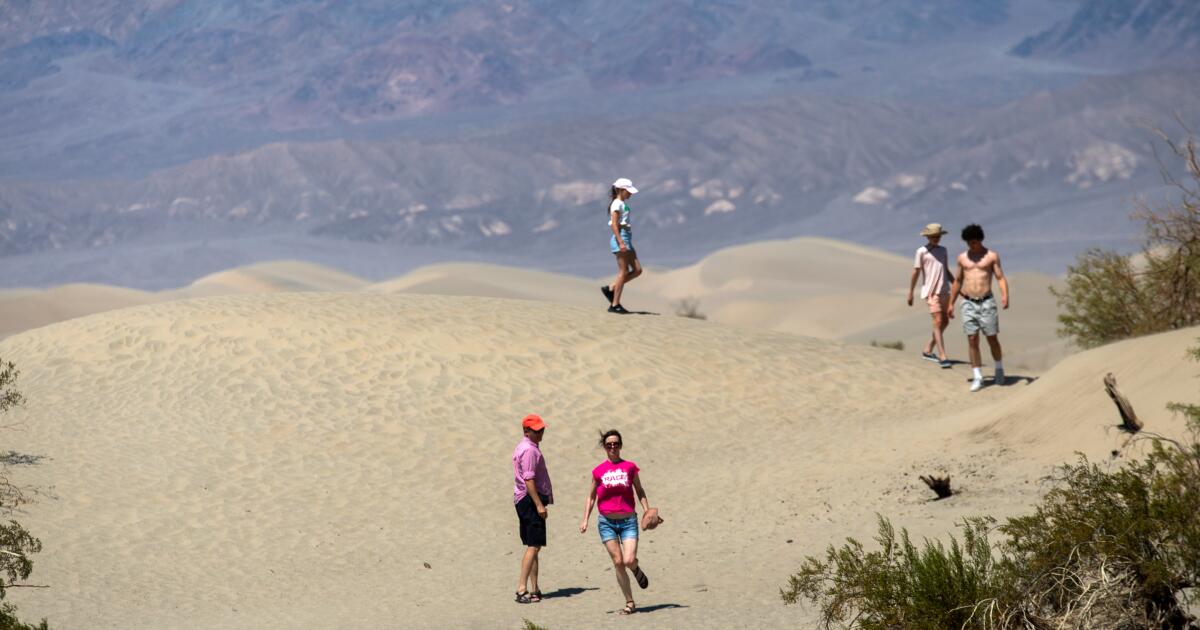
x=614 y=493
x=932 y=263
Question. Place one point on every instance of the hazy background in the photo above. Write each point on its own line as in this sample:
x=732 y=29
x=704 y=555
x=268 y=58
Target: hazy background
x=148 y=142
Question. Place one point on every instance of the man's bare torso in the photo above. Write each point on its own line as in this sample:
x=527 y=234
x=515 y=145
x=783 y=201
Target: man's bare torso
x=978 y=270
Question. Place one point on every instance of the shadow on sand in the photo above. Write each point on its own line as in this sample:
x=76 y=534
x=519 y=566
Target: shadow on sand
x=1009 y=380
x=568 y=592
x=649 y=609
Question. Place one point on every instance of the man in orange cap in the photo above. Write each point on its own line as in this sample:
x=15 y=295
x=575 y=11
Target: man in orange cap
x=532 y=492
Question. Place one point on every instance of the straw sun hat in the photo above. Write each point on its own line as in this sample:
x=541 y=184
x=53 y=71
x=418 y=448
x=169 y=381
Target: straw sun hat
x=933 y=229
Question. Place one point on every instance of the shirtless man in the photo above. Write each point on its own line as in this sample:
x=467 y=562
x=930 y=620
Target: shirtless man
x=976 y=266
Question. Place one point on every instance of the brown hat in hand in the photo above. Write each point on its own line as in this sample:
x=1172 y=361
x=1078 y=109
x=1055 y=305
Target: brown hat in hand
x=651 y=519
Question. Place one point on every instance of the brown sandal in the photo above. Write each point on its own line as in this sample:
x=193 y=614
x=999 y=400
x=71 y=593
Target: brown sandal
x=629 y=608
x=642 y=580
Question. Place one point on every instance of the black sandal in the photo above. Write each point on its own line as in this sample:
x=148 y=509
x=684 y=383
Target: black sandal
x=523 y=597
x=642 y=580
x=535 y=596
x=629 y=608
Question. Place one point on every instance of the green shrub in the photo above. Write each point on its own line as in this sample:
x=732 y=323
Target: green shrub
x=9 y=621
x=901 y=586
x=1107 y=297
x=15 y=542
x=9 y=397
x=1103 y=300
x=890 y=345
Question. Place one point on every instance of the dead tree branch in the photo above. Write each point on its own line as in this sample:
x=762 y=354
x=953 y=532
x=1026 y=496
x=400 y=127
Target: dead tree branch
x=1129 y=419
x=940 y=485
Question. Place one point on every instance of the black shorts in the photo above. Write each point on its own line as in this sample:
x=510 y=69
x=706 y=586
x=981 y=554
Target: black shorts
x=533 y=527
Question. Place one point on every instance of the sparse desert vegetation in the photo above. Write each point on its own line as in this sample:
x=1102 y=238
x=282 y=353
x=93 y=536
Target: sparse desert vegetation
x=1109 y=296
x=16 y=544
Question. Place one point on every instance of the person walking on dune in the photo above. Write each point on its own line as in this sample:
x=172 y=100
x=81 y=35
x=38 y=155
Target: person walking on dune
x=976 y=267
x=532 y=492
x=614 y=483
x=932 y=263
x=621 y=244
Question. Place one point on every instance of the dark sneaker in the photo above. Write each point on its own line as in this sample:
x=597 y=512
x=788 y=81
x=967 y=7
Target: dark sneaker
x=608 y=293
x=929 y=356
x=618 y=309
x=946 y=364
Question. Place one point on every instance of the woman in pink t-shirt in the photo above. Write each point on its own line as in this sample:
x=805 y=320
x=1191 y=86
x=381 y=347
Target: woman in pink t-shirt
x=614 y=483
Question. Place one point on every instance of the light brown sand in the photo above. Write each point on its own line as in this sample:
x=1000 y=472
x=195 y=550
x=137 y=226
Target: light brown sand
x=294 y=460
x=26 y=309
x=806 y=286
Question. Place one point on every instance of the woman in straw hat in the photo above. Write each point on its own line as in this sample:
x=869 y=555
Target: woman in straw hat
x=931 y=261
x=621 y=243
x=614 y=483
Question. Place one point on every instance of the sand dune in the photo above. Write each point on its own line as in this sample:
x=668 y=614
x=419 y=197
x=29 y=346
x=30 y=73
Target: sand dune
x=1060 y=415
x=480 y=280
x=271 y=277
x=294 y=460
x=806 y=286
x=25 y=309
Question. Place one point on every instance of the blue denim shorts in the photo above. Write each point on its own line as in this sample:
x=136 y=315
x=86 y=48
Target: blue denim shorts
x=626 y=236
x=617 y=529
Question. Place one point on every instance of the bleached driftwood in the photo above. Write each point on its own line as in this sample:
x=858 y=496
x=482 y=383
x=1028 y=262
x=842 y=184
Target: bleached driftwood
x=1129 y=419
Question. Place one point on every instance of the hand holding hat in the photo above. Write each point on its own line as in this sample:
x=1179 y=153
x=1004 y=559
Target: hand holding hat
x=651 y=519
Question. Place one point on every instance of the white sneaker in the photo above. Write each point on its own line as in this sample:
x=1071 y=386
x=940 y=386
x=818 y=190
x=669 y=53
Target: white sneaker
x=976 y=384
x=999 y=378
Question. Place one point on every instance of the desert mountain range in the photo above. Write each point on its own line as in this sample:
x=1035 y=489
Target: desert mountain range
x=489 y=130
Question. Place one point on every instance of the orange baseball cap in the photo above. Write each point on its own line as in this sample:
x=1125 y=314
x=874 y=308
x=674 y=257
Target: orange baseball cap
x=534 y=422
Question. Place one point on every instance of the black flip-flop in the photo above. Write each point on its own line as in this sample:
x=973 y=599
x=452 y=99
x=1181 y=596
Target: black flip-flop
x=523 y=597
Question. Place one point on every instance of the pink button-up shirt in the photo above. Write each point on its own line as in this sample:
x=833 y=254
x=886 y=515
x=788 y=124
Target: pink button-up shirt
x=528 y=463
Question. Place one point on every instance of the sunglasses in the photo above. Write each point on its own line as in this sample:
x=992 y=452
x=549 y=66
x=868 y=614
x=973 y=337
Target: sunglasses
x=612 y=445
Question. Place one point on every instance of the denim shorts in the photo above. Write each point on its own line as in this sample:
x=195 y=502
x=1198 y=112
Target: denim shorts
x=617 y=528
x=626 y=236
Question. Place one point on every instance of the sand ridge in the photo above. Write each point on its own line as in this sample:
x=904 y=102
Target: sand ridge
x=807 y=286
